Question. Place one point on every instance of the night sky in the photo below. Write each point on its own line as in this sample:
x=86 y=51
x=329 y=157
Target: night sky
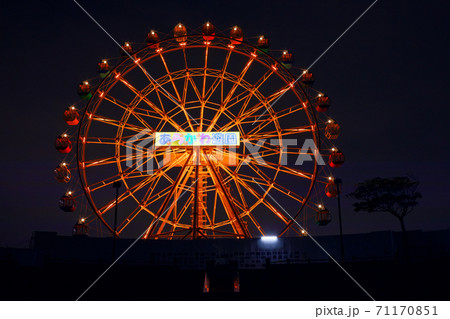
x=387 y=78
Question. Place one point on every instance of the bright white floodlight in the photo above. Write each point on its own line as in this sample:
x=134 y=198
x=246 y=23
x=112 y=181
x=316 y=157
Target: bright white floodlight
x=269 y=238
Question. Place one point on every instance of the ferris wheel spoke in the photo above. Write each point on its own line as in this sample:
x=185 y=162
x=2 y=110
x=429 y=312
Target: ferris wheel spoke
x=230 y=94
x=260 y=198
x=157 y=86
x=119 y=124
x=266 y=103
x=152 y=199
x=243 y=96
x=130 y=191
x=170 y=77
x=243 y=205
x=181 y=105
x=220 y=79
x=276 y=133
x=202 y=105
x=236 y=99
x=275 y=166
x=255 y=88
x=173 y=208
x=149 y=198
x=142 y=121
x=256 y=223
x=144 y=98
x=183 y=100
x=109 y=160
x=194 y=86
x=128 y=220
x=126 y=107
x=284 y=169
x=146 y=113
x=291 y=110
x=183 y=211
x=132 y=110
x=130 y=173
x=262 y=175
x=217 y=82
x=263 y=123
x=278 y=187
x=110 y=180
x=162 y=209
x=237 y=82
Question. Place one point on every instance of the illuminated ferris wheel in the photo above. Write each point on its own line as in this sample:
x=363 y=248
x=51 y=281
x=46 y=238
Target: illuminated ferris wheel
x=208 y=136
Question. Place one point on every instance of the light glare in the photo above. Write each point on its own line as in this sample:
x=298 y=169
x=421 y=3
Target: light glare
x=269 y=238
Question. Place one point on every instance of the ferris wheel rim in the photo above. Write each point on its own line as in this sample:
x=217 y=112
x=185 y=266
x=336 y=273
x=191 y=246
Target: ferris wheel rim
x=136 y=53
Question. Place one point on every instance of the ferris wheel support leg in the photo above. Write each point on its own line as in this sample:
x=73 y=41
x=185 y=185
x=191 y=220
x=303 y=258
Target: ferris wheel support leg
x=236 y=222
x=196 y=194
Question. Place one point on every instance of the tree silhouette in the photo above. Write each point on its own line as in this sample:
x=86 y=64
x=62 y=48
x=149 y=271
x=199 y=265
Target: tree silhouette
x=396 y=195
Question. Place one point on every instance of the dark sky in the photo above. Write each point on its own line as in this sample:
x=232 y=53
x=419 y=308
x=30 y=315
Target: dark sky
x=387 y=77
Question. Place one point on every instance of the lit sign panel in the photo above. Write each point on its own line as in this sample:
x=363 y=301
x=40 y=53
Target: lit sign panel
x=196 y=139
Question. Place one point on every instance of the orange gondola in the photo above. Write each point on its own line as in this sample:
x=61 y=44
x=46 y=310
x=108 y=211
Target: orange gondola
x=180 y=32
x=62 y=173
x=332 y=130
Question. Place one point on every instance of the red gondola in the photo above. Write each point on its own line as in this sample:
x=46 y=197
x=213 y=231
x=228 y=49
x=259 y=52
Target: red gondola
x=208 y=31
x=307 y=78
x=126 y=50
x=71 y=116
x=84 y=90
x=80 y=228
x=323 y=103
x=63 y=144
x=323 y=217
x=331 y=190
x=103 y=68
x=67 y=202
x=336 y=158
x=236 y=35
x=152 y=39
x=287 y=59
x=263 y=44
